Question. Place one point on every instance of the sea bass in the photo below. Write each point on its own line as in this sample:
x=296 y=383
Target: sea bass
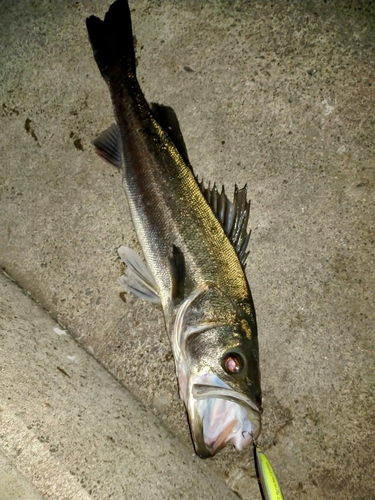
x=194 y=242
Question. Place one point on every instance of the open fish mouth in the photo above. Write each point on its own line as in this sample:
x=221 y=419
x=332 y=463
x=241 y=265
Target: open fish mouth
x=218 y=415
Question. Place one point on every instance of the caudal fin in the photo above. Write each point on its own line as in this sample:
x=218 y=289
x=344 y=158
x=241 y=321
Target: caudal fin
x=112 y=39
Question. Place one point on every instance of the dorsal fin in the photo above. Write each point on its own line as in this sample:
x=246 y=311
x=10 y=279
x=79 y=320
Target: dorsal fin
x=108 y=145
x=167 y=119
x=233 y=216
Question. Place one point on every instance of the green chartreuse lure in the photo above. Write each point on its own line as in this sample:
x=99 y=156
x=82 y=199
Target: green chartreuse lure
x=269 y=484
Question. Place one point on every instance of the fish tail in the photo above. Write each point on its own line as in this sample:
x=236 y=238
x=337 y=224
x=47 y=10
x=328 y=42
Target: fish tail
x=112 y=40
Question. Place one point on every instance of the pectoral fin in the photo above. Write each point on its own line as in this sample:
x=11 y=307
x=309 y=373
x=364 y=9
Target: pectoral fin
x=138 y=278
x=177 y=264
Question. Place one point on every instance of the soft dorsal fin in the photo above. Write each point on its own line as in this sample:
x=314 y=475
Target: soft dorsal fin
x=233 y=216
x=167 y=119
x=108 y=145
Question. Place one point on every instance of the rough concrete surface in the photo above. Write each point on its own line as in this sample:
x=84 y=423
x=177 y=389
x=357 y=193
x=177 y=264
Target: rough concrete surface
x=14 y=485
x=72 y=429
x=276 y=94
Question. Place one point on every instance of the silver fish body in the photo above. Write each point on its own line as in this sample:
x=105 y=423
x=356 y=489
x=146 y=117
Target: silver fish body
x=193 y=240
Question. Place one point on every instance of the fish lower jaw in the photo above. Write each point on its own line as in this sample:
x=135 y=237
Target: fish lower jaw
x=230 y=434
x=231 y=425
x=217 y=419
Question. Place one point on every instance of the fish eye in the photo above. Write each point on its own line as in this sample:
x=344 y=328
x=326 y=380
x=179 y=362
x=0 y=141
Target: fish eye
x=232 y=363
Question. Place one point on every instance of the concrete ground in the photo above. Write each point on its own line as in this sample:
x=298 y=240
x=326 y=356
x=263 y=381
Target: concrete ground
x=279 y=95
x=69 y=430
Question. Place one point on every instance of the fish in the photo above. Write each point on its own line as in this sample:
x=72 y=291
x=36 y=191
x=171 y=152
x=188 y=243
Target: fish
x=194 y=243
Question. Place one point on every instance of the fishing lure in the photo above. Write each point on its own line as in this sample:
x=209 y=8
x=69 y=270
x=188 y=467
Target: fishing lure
x=268 y=483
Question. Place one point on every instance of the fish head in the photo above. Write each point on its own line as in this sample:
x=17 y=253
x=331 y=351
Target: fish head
x=218 y=374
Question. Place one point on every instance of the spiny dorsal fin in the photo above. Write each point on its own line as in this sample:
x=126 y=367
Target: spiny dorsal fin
x=138 y=278
x=108 y=145
x=233 y=216
x=167 y=119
